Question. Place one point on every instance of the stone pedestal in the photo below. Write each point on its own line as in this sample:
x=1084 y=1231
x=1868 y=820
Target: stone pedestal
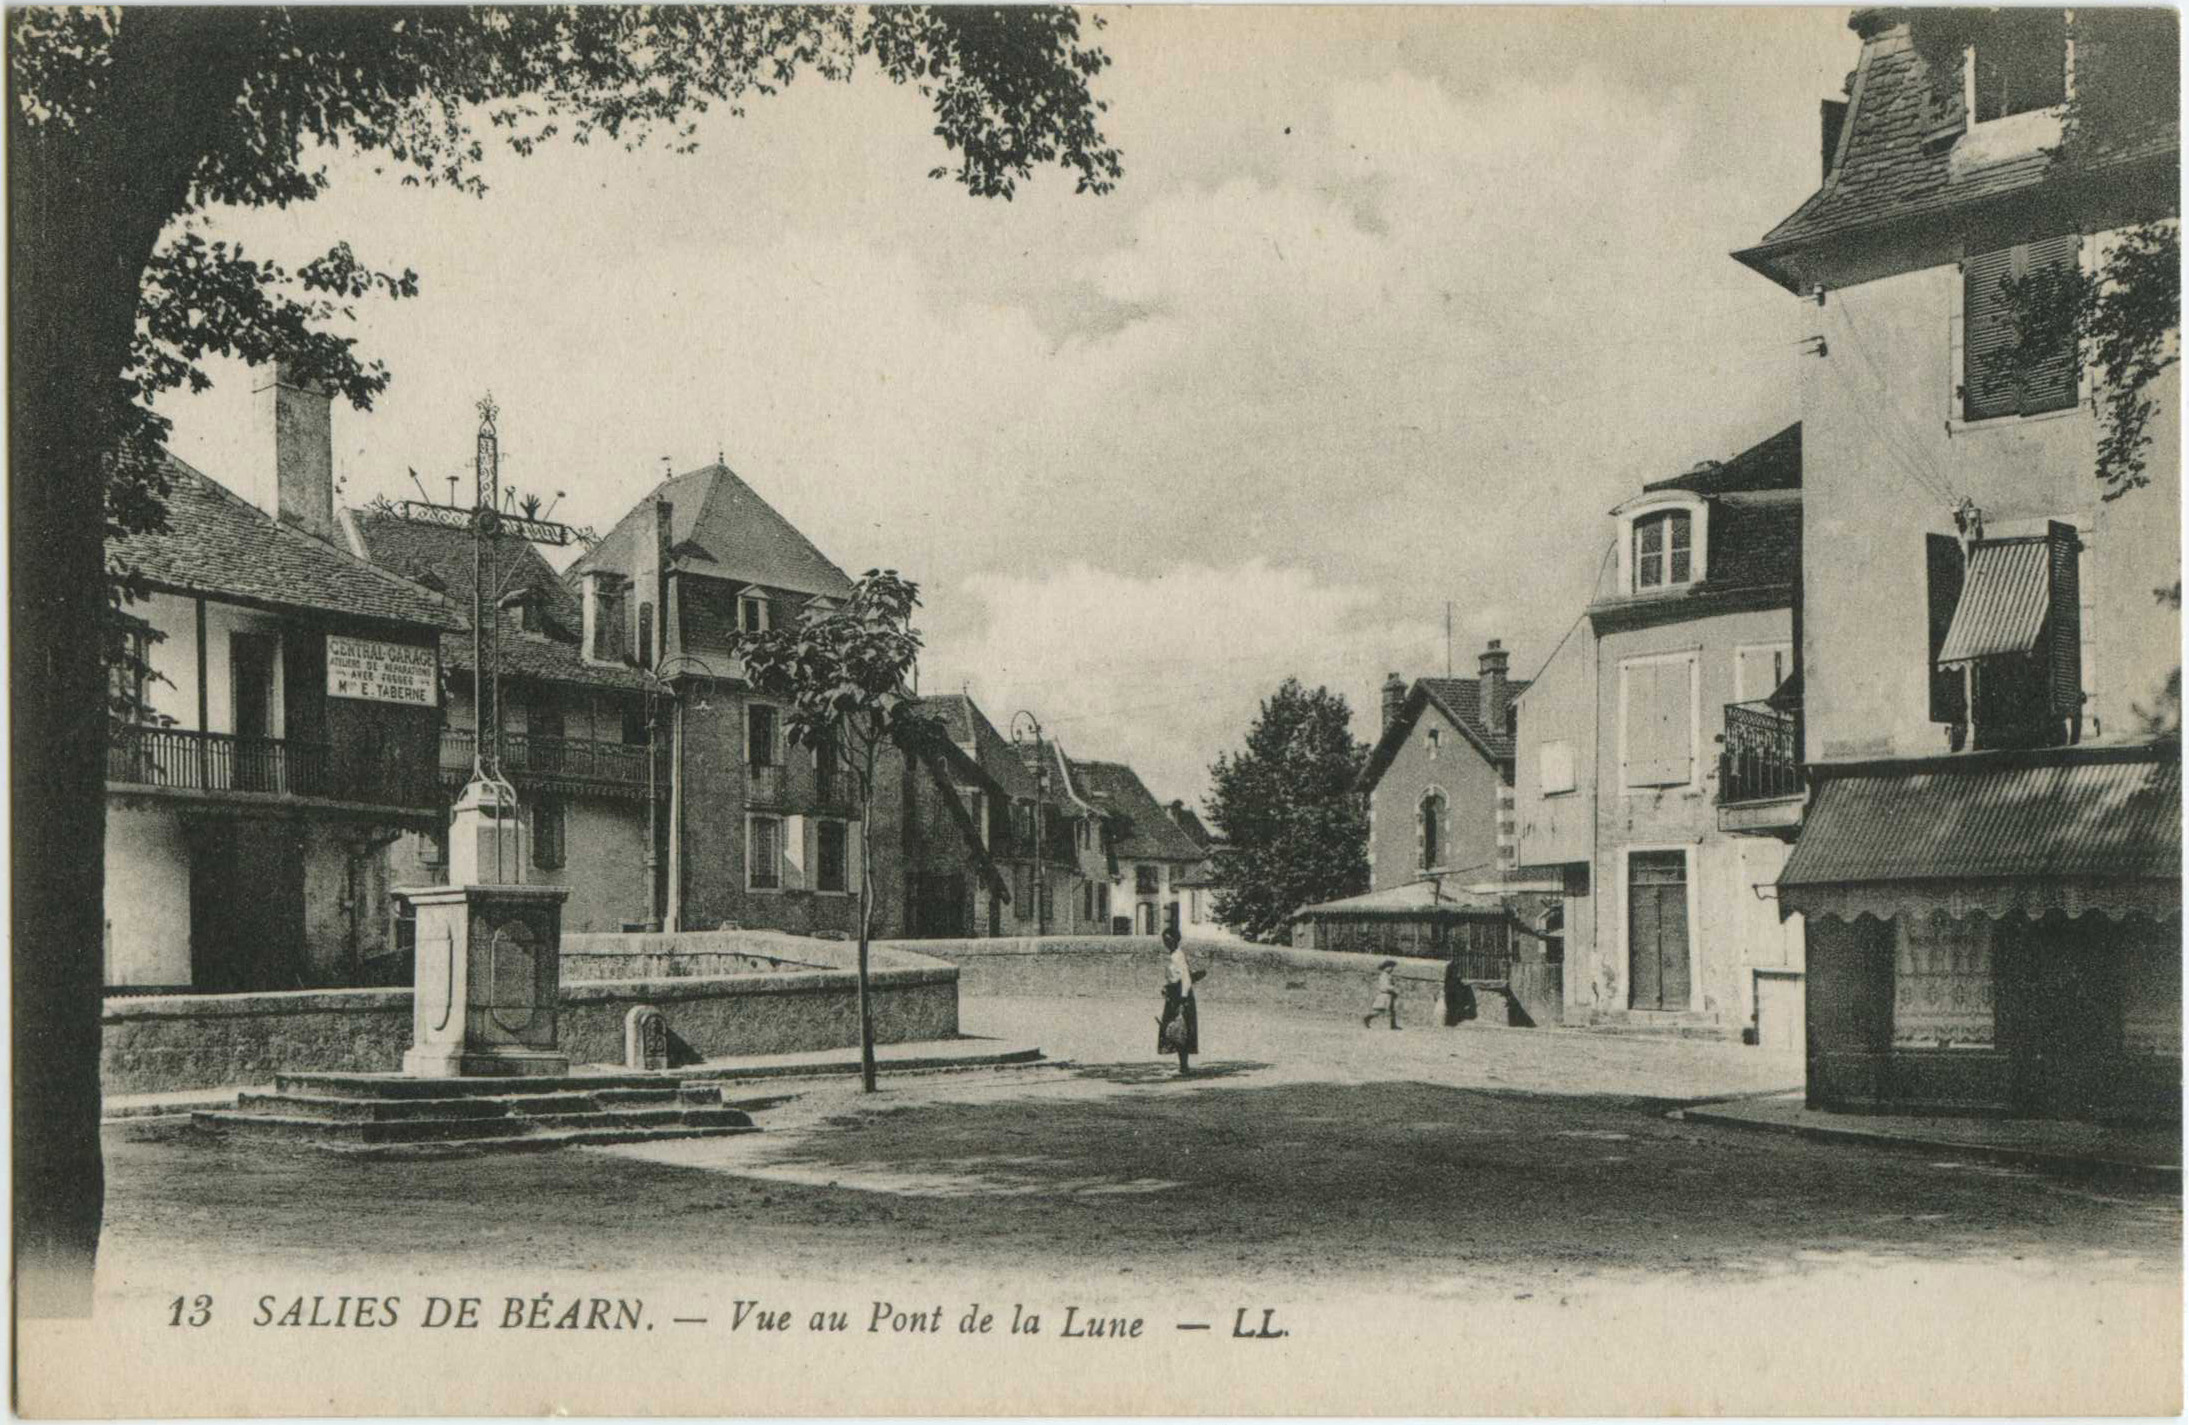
x=486 y=840
x=488 y=979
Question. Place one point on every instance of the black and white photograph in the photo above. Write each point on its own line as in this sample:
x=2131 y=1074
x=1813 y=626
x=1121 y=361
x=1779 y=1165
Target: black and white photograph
x=1108 y=711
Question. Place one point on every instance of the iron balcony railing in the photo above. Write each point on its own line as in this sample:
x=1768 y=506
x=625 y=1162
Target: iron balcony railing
x=180 y=759
x=1759 y=760
x=539 y=755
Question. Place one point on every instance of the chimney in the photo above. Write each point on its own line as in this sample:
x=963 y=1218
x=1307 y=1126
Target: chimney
x=605 y=619
x=1394 y=698
x=1493 y=687
x=299 y=489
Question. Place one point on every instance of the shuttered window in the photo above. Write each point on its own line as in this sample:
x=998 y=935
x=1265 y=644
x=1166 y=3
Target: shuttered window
x=1992 y=385
x=547 y=834
x=1659 y=732
x=2064 y=620
x=764 y=854
x=1943 y=576
x=831 y=856
x=2005 y=617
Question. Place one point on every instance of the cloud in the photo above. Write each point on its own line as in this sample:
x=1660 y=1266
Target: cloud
x=1391 y=307
x=1166 y=670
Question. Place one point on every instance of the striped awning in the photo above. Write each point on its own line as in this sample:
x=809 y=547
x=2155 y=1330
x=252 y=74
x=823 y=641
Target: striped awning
x=2072 y=830
x=2004 y=597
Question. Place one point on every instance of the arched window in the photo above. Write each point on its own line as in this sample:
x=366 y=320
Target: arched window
x=1432 y=830
x=1664 y=551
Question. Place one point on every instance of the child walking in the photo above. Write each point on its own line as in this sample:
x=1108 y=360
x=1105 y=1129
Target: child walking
x=1387 y=996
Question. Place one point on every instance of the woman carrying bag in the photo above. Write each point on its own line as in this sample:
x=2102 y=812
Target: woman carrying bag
x=1178 y=1028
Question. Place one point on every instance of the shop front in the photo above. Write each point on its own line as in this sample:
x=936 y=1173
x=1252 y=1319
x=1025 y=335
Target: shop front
x=1995 y=933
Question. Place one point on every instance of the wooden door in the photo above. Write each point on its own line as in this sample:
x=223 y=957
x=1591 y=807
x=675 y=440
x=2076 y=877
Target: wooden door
x=251 y=675
x=1780 y=1017
x=1657 y=929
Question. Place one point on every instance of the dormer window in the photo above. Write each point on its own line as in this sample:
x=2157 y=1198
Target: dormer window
x=2018 y=65
x=1664 y=550
x=1666 y=542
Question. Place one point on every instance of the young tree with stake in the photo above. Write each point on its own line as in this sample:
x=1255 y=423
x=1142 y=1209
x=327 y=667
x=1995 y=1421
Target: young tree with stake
x=845 y=674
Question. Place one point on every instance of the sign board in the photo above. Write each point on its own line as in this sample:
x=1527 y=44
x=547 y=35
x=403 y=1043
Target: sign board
x=382 y=672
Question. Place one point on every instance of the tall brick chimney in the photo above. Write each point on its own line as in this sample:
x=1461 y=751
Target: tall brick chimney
x=1493 y=687
x=299 y=487
x=1394 y=698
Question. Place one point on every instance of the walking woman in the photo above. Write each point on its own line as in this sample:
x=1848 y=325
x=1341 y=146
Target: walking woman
x=1179 y=1029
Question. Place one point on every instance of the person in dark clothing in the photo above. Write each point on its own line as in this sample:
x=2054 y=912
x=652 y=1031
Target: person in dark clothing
x=1459 y=996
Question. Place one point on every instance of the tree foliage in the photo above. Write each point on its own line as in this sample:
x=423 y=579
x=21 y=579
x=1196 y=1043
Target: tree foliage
x=1286 y=804
x=125 y=126
x=2123 y=313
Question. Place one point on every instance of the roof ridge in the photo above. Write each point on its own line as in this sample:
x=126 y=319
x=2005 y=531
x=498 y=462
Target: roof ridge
x=721 y=468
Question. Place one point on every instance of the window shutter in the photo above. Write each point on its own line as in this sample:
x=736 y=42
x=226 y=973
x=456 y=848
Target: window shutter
x=2065 y=620
x=2056 y=382
x=1987 y=332
x=1658 y=735
x=1943 y=574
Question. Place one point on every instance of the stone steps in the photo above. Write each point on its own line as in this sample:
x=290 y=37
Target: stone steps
x=360 y=1112
x=1660 y=1024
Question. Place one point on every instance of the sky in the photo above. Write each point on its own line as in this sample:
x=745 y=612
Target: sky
x=1389 y=309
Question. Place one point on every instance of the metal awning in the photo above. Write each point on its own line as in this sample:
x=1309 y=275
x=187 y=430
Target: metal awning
x=2072 y=829
x=2004 y=597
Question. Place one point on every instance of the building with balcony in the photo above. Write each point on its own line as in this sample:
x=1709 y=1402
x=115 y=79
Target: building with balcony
x=275 y=729
x=1655 y=783
x=757 y=831
x=575 y=733
x=1989 y=872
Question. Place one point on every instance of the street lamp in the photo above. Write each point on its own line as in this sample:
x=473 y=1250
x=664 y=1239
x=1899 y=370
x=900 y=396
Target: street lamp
x=1026 y=728
x=660 y=683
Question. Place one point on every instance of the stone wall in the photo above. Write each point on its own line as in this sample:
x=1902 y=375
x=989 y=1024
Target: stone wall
x=785 y=995
x=155 y=1043
x=1316 y=982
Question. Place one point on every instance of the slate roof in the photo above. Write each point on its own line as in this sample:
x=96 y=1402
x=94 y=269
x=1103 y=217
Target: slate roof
x=220 y=545
x=1116 y=790
x=1753 y=545
x=1770 y=464
x=1896 y=153
x=1461 y=702
x=968 y=727
x=1755 y=528
x=442 y=557
x=1190 y=823
x=721 y=528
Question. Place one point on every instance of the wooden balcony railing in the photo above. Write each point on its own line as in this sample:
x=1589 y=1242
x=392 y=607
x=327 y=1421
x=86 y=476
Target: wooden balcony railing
x=526 y=753
x=1759 y=760
x=180 y=759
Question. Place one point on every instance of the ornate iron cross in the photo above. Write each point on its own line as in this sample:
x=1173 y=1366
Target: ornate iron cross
x=486 y=519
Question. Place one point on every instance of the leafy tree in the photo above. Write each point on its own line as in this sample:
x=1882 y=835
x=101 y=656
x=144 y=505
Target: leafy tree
x=2125 y=312
x=123 y=124
x=845 y=673
x=1297 y=830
